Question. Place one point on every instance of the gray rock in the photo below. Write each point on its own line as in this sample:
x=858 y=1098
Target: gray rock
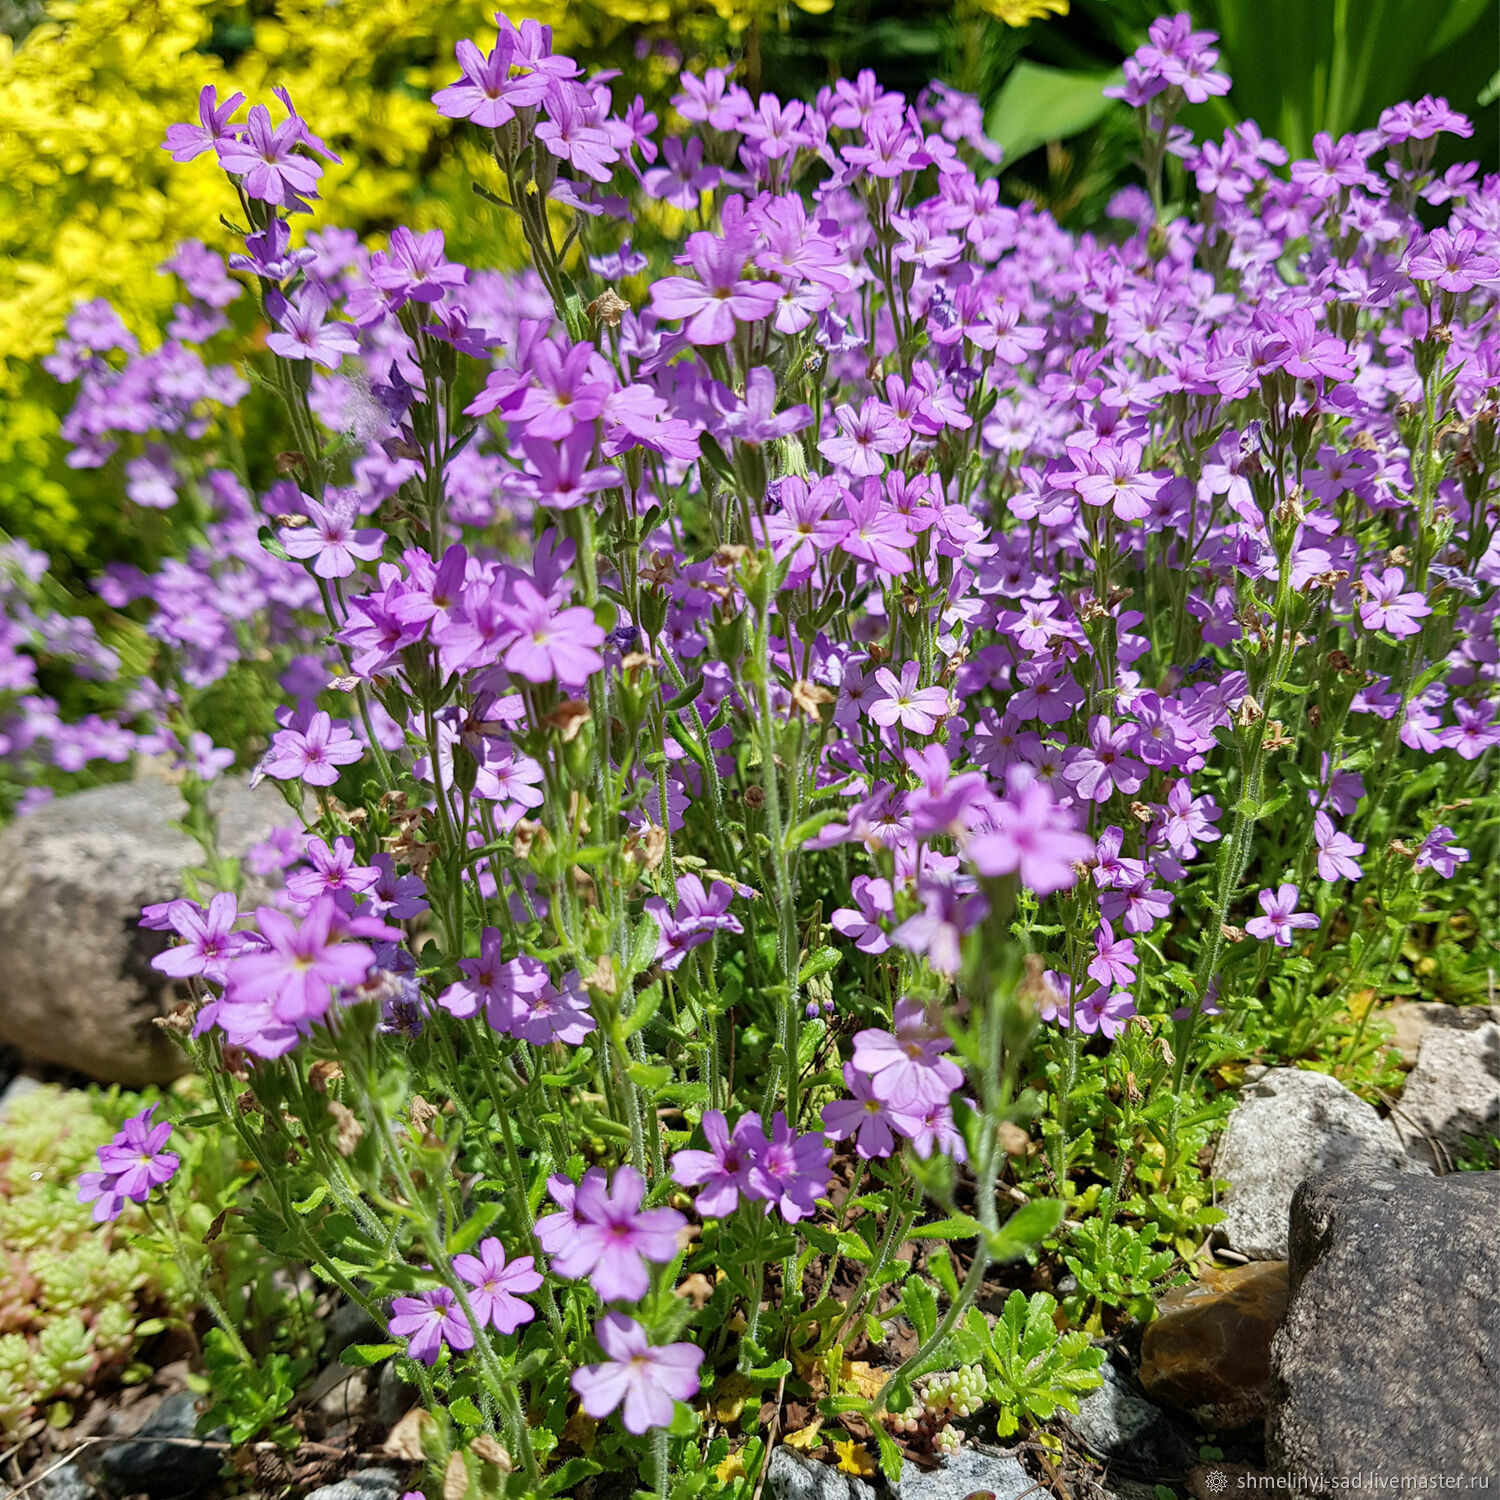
x=339 y=1394
x=394 y=1396
x=1288 y=1126
x=1388 y=1359
x=164 y=1459
x=368 y=1484
x=1116 y=1424
x=76 y=986
x=1411 y=1020
x=1453 y=1092
x=64 y=1483
x=351 y=1324
x=968 y=1472
x=792 y=1477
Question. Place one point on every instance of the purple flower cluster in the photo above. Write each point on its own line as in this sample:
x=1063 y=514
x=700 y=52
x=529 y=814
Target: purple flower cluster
x=130 y=1165
x=785 y=1170
x=887 y=561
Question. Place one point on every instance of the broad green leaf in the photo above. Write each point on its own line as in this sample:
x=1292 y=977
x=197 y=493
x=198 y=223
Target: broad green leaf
x=359 y=1356
x=1028 y=1226
x=1038 y=104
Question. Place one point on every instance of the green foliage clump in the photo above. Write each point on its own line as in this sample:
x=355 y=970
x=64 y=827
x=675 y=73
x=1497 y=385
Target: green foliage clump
x=1034 y=1371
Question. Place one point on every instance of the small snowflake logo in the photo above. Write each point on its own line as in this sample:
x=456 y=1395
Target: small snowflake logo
x=1217 y=1481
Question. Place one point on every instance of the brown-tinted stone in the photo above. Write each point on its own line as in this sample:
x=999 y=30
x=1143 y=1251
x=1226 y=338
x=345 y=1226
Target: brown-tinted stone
x=1209 y=1350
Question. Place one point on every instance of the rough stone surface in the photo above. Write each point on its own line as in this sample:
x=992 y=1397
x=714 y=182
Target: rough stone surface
x=969 y=1471
x=1388 y=1359
x=1117 y=1425
x=1453 y=1092
x=1208 y=1351
x=168 y=1466
x=368 y=1484
x=1288 y=1126
x=76 y=983
x=792 y=1477
x=1412 y=1020
x=65 y=1483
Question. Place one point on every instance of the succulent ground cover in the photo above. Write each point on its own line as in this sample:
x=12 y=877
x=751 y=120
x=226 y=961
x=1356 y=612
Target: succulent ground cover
x=827 y=722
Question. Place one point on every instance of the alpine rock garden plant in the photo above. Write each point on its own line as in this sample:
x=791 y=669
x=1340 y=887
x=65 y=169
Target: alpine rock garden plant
x=822 y=719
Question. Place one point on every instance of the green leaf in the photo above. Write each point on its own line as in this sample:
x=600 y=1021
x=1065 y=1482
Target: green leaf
x=466 y=1412
x=822 y=961
x=1028 y=1226
x=468 y=1234
x=1039 y=104
x=890 y=1454
x=955 y=1227
x=920 y=1303
x=313 y=1199
x=648 y=1002
x=361 y=1356
x=647 y=1077
x=687 y=696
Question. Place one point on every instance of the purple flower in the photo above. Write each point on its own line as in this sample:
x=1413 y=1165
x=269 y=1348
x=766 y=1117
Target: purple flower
x=863 y=436
x=699 y=914
x=1440 y=853
x=545 y=643
x=1115 y=960
x=1476 y=730
x=269 y=160
x=428 y=1321
x=493 y=985
x=646 y=1378
x=1387 y=608
x=915 y=708
x=130 y=1165
x=863 y=926
x=863 y=1115
x=187 y=141
x=333 y=872
x=209 y=939
x=605 y=1234
x=1336 y=850
x=1114 y=477
x=722 y=1173
x=333 y=541
x=792 y=1170
x=300 y=968
x=313 y=754
x=307 y=335
x=712 y=306
x=907 y=1067
x=1032 y=837
x=1453 y=262
x=497 y=1286
x=1281 y=916
x=1104 y=766
x=553 y=1013
x=1105 y=1011
x=875 y=533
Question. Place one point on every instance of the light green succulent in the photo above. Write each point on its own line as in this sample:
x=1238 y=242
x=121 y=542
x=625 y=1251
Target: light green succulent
x=71 y=1290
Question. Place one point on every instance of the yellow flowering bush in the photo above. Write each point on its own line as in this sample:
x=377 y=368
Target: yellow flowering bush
x=90 y=205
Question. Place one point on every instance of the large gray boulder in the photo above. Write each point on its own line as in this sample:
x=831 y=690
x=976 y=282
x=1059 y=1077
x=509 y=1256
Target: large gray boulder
x=1288 y=1126
x=76 y=984
x=1388 y=1359
x=1453 y=1092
